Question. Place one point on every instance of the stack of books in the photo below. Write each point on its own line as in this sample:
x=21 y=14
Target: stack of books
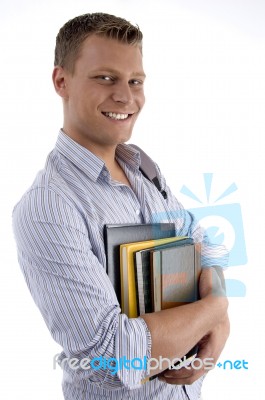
x=150 y=268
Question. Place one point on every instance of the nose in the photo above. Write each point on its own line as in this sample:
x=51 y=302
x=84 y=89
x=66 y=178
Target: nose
x=122 y=93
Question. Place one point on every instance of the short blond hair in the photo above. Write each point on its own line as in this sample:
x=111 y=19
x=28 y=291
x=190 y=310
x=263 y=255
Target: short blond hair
x=74 y=32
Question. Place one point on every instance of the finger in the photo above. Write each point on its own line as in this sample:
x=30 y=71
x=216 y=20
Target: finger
x=208 y=354
x=185 y=380
x=178 y=374
x=184 y=373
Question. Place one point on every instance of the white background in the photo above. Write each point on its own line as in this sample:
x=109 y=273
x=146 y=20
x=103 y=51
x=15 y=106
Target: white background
x=205 y=90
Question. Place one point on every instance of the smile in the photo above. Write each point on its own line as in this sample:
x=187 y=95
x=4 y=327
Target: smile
x=116 y=116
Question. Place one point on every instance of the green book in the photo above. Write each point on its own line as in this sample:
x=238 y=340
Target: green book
x=175 y=272
x=143 y=274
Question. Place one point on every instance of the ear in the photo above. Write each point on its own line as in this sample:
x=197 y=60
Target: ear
x=59 y=81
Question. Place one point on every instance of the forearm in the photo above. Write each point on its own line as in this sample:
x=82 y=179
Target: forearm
x=175 y=331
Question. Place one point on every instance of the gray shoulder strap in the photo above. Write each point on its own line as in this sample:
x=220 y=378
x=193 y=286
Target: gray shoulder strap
x=149 y=170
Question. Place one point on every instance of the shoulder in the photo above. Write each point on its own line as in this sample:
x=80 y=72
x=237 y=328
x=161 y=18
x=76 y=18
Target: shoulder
x=49 y=198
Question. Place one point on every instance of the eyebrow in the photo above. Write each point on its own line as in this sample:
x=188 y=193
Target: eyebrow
x=115 y=72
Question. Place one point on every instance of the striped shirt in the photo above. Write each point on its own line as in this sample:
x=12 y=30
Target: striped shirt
x=58 y=226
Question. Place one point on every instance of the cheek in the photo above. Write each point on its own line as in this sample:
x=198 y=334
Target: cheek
x=142 y=100
x=96 y=95
x=139 y=98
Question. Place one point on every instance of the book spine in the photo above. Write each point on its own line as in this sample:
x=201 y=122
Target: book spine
x=156 y=281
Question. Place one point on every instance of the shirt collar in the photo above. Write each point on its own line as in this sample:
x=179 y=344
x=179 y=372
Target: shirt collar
x=87 y=161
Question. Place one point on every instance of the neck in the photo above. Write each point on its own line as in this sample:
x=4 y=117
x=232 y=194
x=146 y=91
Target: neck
x=106 y=154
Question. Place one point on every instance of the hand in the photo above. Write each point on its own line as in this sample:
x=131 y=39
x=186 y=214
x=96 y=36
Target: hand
x=210 y=347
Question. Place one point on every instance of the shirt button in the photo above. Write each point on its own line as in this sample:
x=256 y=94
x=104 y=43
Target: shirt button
x=138 y=212
x=105 y=173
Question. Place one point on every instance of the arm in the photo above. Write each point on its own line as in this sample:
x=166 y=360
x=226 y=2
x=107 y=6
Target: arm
x=201 y=318
x=175 y=331
x=73 y=292
x=212 y=344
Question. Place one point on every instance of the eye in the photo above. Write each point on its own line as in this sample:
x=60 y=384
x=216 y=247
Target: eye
x=136 y=82
x=105 y=78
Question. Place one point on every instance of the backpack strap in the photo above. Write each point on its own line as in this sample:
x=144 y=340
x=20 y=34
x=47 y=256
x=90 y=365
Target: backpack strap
x=148 y=169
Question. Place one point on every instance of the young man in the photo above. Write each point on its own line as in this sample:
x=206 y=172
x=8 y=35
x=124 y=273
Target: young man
x=92 y=178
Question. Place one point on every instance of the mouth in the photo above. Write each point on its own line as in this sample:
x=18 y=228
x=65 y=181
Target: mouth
x=117 y=116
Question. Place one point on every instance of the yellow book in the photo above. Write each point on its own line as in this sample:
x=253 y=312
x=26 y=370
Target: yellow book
x=127 y=270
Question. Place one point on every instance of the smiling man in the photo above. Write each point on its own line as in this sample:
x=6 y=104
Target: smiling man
x=92 y=178
x=102 y=95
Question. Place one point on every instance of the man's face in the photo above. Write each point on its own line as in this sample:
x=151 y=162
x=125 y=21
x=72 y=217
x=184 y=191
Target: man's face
x=104 y=95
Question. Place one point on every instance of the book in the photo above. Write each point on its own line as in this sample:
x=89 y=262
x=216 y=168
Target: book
x=175 y=273
x=143 y=275
x=127 y=268
x=115 y=235
x=129 y=234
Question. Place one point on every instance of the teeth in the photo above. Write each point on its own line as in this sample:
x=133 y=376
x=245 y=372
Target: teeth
x=116 y=116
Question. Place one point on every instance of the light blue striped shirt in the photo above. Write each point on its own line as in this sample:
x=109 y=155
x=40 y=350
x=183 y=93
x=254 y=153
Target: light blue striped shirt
x=58 y=226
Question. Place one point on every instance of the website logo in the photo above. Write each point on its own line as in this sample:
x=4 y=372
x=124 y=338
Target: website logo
x=223 y=224
x=233 y=365
x=114 y=364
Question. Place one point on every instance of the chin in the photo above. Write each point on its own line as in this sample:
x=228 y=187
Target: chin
x=124 y=138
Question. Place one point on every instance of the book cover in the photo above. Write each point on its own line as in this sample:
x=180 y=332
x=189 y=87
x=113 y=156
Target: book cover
x=143 y=275
x=175 y=274
x=115 y=235
x=128 y=282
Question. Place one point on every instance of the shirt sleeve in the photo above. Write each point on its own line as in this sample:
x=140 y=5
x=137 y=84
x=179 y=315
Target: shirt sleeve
x=75 y=295
x=212 y=254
